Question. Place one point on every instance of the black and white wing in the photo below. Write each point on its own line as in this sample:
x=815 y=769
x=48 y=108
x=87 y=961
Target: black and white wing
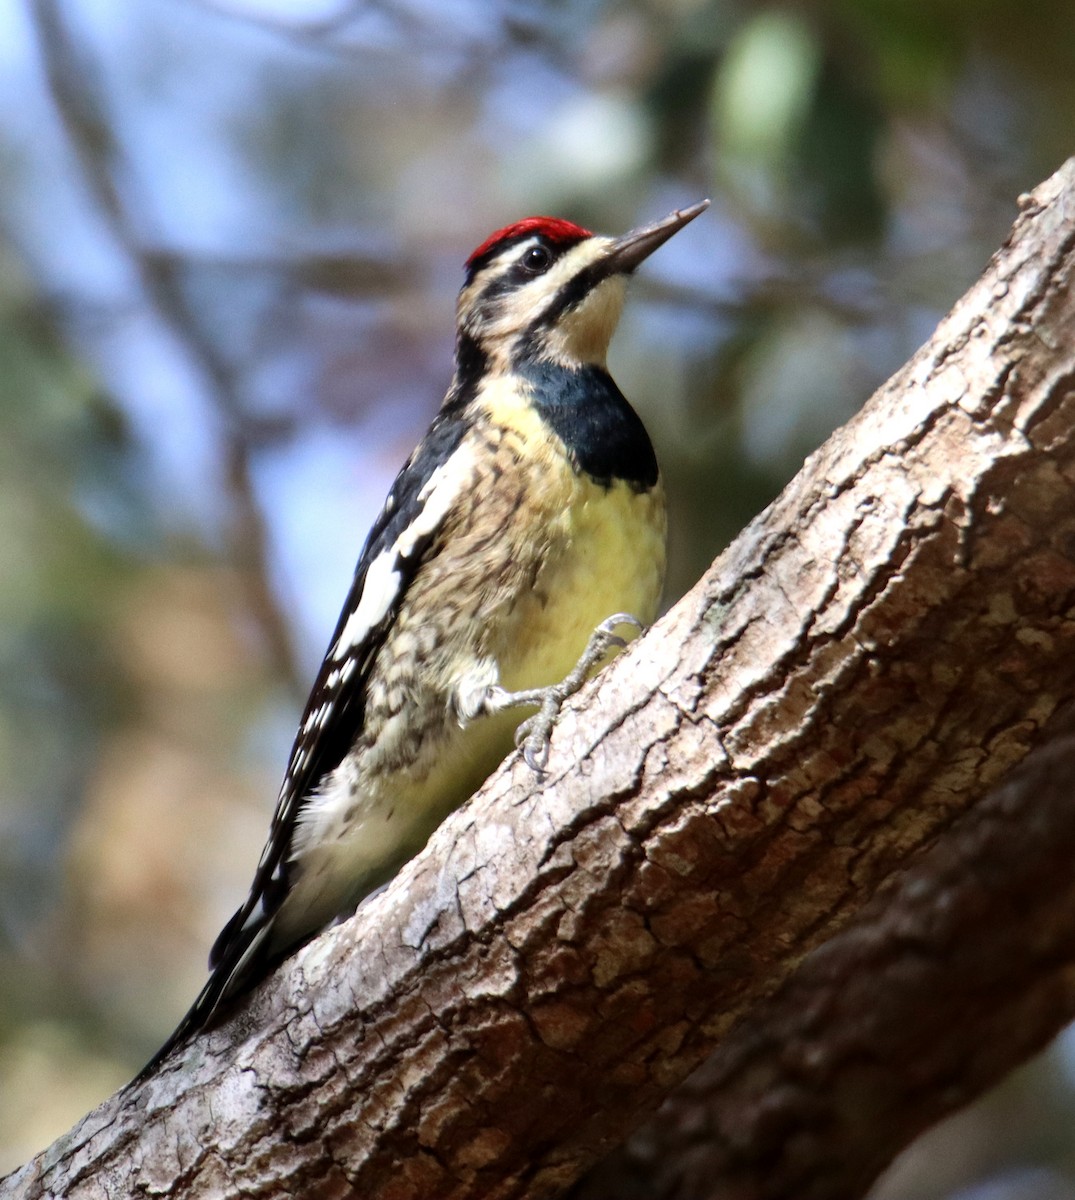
x=404 y=535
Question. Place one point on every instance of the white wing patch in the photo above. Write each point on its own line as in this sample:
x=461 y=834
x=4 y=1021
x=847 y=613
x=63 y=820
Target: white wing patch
x=380 y=590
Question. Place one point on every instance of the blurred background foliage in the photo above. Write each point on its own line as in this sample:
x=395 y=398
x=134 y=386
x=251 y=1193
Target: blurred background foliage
x=232 y=235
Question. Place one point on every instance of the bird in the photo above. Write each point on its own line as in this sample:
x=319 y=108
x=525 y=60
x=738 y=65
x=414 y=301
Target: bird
x=525 y=529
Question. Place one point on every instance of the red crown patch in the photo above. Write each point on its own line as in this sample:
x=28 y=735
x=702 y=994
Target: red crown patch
x=554 y=229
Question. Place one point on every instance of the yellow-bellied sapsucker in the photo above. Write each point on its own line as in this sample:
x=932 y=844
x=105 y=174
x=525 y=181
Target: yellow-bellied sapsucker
x=531 y=515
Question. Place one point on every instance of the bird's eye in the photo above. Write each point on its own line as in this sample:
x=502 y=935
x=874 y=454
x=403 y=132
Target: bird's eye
x=537 y=259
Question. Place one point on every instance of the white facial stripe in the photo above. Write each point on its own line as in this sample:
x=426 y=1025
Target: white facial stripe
x=575 y=260
x=585 y=334
x=517 y=309
x=380 y=589
x=507 y=314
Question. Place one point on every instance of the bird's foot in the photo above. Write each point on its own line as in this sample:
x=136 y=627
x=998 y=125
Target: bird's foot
x=533 y=736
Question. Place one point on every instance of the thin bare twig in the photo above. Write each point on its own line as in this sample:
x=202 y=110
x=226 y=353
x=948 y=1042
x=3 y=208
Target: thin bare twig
x=70 y=78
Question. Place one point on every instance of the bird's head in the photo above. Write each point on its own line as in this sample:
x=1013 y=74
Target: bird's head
x=544 y=289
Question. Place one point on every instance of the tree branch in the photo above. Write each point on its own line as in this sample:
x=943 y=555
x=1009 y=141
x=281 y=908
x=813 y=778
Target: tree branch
x=874 y=652
x=939 y=987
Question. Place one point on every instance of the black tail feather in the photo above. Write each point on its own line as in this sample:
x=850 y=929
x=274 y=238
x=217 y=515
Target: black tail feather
x=248 y=958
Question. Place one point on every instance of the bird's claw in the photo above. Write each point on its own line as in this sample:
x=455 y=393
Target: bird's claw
x=604 y=639
x=534 y=738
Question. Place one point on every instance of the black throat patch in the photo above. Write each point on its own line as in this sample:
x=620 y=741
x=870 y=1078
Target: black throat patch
x=602 y=432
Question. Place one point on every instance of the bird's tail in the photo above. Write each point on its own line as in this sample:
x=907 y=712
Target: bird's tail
x=241 y=958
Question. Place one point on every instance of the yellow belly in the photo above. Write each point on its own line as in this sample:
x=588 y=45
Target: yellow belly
x=607 y=558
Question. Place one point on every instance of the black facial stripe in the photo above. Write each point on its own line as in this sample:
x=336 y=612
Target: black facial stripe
x=501 y=286
x=557 y=248
x=573 y=292
x=602 y=432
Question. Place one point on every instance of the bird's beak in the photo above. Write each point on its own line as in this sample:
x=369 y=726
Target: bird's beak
x=627 y=252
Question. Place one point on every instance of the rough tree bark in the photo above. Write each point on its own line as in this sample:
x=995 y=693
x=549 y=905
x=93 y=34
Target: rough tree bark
x=860 y=667
x=948 y=979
